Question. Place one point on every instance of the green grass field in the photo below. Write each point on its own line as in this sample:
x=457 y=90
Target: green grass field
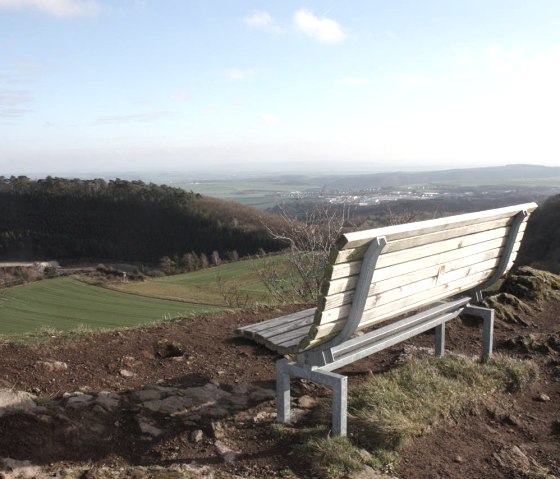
x=67 y=304
x=203 y=286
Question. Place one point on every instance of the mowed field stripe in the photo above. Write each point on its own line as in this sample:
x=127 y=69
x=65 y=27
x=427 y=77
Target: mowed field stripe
x=66 y=303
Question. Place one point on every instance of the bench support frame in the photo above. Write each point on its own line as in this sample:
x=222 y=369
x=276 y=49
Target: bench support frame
x=359 y=347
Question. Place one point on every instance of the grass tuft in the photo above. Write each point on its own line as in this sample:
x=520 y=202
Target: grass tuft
x=332 y=457
x=390 y=409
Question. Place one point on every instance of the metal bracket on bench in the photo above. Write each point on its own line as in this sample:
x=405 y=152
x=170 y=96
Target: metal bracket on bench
x=506 y=254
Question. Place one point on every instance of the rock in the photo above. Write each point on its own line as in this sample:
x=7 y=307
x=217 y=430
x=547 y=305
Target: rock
x=265 y=416
x=365 y=455
x=228 y=454
x=542 y=397
x=148 y=428
x=196 y=436
x=215 y=411
x=16 y=400
x=168 y=349
x=241 y=389
x=218 y=429
x=108 y=400
x=369 y=473
x=261 y=394
x=512 y=455
x=19 y=469
x=125 y=373
x=130 y=361
x=174 y=404
x=79 y=401
x=511 y=420
x=147 y=395
x=51 y=365
x=458 y=459
x=307 y=402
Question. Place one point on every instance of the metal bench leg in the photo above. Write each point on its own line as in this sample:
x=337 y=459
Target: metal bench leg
x=340 y=407
x=487 y=315
x=488 y=335
x=282 y=391
x=440 y=340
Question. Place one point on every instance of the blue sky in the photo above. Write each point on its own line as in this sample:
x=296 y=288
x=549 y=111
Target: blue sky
x=103 y=85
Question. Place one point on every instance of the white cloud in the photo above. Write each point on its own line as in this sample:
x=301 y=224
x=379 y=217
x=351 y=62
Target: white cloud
x=353 y=81
x=269 y=119
x=323 y=29
x=259 y=19
x=58 y=8
x=236 y=74
x=263 y=21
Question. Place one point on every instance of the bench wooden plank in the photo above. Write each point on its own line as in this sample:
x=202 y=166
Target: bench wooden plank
x=350 y=269
x=360 y=238
x=303 y=324
x=423 y=279
x=356 y=254
x=334 y=319
x=272 y=323
x=332 y=287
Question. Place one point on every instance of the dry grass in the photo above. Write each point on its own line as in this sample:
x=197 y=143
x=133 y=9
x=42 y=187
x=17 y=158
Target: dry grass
x=393 y=408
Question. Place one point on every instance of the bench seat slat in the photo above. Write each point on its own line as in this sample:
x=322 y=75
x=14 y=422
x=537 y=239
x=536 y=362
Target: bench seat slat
x=276 y=334
x=272 y=323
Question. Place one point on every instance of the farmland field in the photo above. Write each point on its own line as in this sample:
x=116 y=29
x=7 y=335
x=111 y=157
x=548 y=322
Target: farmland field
x=66 y=304
x=203 y=286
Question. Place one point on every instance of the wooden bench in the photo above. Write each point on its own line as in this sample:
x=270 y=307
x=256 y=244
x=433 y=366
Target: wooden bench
x=419 y=275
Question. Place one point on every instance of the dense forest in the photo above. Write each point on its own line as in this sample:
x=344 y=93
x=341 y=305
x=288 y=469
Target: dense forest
x=541 y=245
x=124 y=220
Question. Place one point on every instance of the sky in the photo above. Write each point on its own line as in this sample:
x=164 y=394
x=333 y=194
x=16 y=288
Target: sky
x=314 y=86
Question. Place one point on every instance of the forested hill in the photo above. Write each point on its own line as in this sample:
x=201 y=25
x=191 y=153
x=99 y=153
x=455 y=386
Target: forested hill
x=541 y=245
x=125 y=220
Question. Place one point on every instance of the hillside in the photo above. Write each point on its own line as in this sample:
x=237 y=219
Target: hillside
x=541 y=246
x=125 y=220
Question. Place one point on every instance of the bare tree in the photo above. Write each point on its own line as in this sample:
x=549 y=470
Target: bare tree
x=405 y=216
x=308 y=242
x=231 y=292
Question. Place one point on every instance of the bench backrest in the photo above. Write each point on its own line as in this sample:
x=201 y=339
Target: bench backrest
x=416 y=264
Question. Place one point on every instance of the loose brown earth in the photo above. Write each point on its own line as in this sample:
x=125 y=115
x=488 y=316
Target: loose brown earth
x=472 y=447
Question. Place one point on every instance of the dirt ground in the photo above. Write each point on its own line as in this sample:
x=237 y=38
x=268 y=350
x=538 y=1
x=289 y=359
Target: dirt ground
x=474 y=446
